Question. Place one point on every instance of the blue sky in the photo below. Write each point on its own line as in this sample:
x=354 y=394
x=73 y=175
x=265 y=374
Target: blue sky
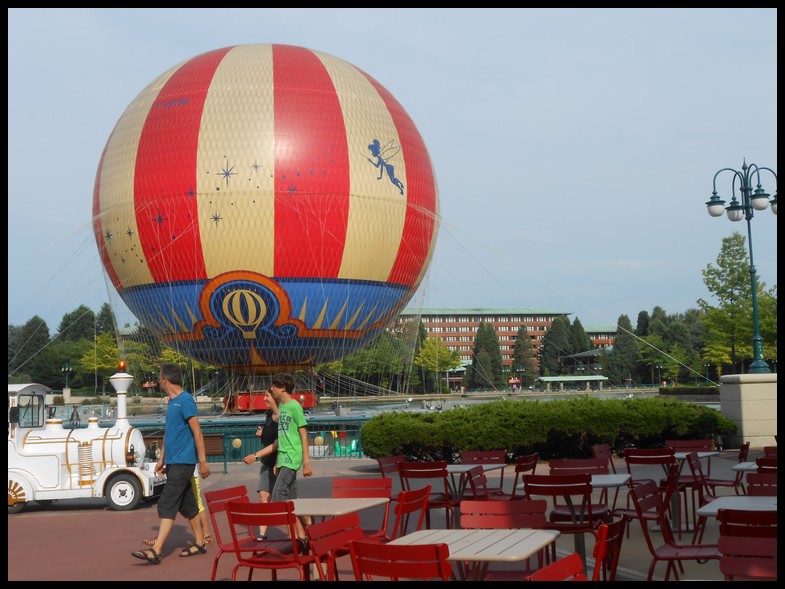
x=574 y=149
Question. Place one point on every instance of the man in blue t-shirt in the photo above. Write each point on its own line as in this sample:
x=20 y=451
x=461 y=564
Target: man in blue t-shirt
x=183 y=447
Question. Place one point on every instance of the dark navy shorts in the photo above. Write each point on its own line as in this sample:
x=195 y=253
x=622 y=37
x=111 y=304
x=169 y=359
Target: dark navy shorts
x=178 y=494
x=285 y=485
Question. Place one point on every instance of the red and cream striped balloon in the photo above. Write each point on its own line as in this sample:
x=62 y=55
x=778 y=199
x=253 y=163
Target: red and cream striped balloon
x=265 y=207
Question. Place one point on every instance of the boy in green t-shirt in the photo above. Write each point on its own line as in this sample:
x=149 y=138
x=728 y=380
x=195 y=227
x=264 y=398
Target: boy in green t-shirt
x=292 y=442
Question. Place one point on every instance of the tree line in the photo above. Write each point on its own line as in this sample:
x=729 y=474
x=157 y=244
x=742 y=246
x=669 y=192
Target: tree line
x=704 y=342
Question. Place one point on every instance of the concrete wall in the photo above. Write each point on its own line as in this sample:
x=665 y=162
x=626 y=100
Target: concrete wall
x=750 y=400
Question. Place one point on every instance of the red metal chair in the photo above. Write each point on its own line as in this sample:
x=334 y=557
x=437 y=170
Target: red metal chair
x=607 y=549
x=704 y=493
x=740 y=522
x=762 y=484
x=216 y=502
x=388 y=465
x=375 y=562
x=413 y=474
x=649 y=507
x=568 y=568
x=329 y=540
x=754 y=559
x=352 y=487
x=486 y=457
x=272 y=555
x=767 y=464
x=477 y=487
x=524 y=513
x=573 y=511
x=583 y=465
x=736 y=483
x=638 y=458
x=524 y=464
x=407 y=504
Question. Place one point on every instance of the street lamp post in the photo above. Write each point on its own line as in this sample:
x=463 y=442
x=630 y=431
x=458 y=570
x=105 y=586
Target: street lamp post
x=751 y=201
x=67 y=370
x=659 y=374
x=707 y=365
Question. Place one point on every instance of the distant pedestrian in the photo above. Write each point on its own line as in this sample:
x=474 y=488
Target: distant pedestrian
x=183 y=448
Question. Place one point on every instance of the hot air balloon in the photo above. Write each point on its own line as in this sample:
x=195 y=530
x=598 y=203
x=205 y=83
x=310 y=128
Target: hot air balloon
x=265 y=207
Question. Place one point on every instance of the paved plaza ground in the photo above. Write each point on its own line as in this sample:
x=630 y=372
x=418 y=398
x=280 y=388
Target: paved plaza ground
x=83 y=540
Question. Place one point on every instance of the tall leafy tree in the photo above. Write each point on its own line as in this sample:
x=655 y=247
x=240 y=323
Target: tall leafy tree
x=437 y=359
x=729 y=322
x=555 y=346
x=101 y=360
x=626 y=355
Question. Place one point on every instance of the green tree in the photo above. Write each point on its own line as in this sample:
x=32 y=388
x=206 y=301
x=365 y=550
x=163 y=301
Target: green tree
x=78 y=324
x=436 y=358
x=579 y=339
x=105 y=321
x=626 y=355
x=25 y=363
x=101 y=359
x=524 y=360
x=555 y=346
x=486 y=367
x=642 y=327
x=730 y=320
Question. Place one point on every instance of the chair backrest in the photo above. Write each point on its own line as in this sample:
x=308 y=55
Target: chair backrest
x=744 y=452
x=762 y=484
x=568 y=568
x=524 y=464
x=483 y=457
x=647 y=456
x=477 y=483
x=388 y=465
x=605 y=452
x=373 y=561
x=574 y=489
x=523 y=513
x=215 y=502
x=696 y=468
x=766 y=463
x=693 y=446
x=754 y=559
x=243 y=514
x=649 y=506
x=351 y=487
x=740 y=522
x=769 y=451
x=407 y=504
x=578 y=466
x=607 y=549
x=330 y=537
x=413 y=475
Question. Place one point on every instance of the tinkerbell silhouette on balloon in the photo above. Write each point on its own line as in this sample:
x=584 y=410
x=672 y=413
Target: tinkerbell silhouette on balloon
x=383 y=156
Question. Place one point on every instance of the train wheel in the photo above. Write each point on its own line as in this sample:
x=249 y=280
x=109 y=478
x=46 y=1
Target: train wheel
x=124 y=492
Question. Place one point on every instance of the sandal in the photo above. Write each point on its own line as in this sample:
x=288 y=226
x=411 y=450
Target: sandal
x=149 y=541
x=193 y=550
x=208 y=539
x=148 y=554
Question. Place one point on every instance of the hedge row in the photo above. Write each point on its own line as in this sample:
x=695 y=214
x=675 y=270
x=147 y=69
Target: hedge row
x=565 y=428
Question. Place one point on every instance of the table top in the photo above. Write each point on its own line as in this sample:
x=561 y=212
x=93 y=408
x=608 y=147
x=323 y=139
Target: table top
x=744 y=502
x=745 y=466
x=464 y=468
x=500 y=545
x=601 y=481
x=332 y=506
x=707 y=454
